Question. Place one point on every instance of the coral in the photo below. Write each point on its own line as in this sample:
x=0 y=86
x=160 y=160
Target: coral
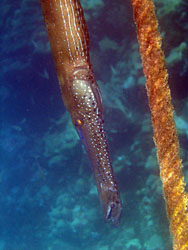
x=176 y=54
x=168 y=6
x=153 y=243
x=106 y=44
x=88 y=5
x=133 y=244
x=57 y=141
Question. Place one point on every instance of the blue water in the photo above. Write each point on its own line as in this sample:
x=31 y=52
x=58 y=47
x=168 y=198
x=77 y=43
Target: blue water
x=48 y=198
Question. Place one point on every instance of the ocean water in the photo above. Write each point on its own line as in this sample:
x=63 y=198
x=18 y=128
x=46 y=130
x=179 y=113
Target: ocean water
x=48 y=197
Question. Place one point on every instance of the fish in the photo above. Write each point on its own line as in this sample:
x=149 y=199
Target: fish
x=69 y=41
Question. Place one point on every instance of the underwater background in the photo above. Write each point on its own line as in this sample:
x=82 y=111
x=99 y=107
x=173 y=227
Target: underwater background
x=48 y=197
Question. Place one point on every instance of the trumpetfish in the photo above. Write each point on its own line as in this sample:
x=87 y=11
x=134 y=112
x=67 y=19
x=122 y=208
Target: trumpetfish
x=69 y=42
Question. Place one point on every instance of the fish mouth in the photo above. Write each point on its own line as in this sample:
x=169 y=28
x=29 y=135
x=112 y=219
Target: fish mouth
x=113 y=212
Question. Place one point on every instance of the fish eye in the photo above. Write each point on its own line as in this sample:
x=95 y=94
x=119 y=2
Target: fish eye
x=78 y=123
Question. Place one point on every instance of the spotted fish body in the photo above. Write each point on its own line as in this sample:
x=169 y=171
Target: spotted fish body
x=69 y=42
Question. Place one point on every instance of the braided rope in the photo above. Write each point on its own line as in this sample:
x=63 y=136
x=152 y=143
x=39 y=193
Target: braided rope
x=165 y=136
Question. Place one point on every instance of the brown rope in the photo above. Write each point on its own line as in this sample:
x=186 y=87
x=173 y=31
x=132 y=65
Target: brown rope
x=165 y=136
